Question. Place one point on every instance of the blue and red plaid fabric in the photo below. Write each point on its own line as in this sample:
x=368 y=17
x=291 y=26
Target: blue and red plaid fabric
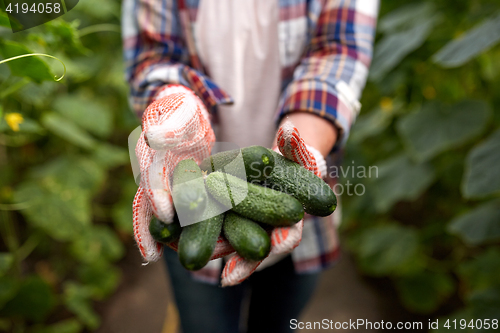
x=325 y=52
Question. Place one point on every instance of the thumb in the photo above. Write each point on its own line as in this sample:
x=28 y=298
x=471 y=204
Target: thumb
x=293 y=147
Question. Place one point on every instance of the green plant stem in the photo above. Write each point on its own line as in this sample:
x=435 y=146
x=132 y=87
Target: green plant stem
x=10 y=238
x=64 y=6
x=15 y=206
x=14 y=87
x=39 y=55
x=99 y=28
x=25 y=250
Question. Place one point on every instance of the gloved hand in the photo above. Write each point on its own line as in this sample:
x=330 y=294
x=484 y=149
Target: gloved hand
x=283 y=239
x=175 y=127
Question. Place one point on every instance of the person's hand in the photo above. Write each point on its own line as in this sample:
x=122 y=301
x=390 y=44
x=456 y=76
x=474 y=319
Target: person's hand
x=175 y=127
x=283 y=239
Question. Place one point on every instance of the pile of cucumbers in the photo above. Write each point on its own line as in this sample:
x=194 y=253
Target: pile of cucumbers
x=271 y=192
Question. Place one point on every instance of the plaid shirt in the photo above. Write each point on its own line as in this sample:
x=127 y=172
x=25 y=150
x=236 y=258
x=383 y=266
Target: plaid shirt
x=325 y=51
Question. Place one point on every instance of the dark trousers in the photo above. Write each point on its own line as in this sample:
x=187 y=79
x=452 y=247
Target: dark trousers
x=265 y=302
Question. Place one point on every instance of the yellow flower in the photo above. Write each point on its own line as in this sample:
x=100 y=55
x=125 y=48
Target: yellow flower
x=13 y=120
x=429 y=92
x=458 y=34
x=386 y=104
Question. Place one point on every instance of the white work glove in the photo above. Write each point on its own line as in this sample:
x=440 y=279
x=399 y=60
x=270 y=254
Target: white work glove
x=175 y=126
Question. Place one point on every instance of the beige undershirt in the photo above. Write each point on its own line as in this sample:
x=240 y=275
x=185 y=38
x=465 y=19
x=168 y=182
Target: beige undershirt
x=237 y=42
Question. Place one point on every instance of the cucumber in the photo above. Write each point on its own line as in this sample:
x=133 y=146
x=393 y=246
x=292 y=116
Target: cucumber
x=313 y=193
x=255 y=202
x=188 y=191
x=165 y=233
x=257 y=161
x=198 y=240
x=248 y=238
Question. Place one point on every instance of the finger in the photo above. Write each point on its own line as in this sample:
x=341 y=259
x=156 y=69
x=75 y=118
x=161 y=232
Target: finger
x=179 y=121
x=177 y=88
x=157 y=183
x=179 y=118
x=153 y=181
x=293 y=147
x=237 y=269
x=174 y=245
x=199 y=145
x=222 y=249
x=285 y=239
x=154 y=114
x=149 y=248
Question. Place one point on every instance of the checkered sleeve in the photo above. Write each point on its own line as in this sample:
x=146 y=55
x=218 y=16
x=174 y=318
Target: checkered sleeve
x=156 y=53
x=333 y=71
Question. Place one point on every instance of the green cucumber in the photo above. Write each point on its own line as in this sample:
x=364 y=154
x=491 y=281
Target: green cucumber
x=165 y=233
x=248 y=238
x=198 y=240
x=188 y=190
x=313 y=193
x=257 y=161
x=256 y=202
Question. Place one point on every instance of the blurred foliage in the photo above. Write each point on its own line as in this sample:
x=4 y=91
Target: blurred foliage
x=65 y=181
x=430 y=217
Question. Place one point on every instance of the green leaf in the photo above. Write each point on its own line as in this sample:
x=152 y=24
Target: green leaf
x=400 y=179
x=65 y=35
x=101 y=277
x=122 y=217
x=436 y=127
x=454 y=327
x=482 y=177
x=79 y=69
x=391 y=49
x=6 y=261
x=37 y=94
x=481 y=272
x=485 y=304
x=86 y=112
x=5 y=325
x=8 y=289
x=59 y=195
x=62 y=213
x=122 y=211
x=405 y=16
x=426 y=291
x=387 y=249
x=479 y=39
x=4 y=20
x=71 y=172
x=490 y=67
x=67 y=130
x=34 y=300
x=33 y=67
x=31 y=126
x=478 y=226
x=97 y=243
x=110 y=156
x=77 y=300
x=100 y=10
x=64 y=326
x=369 y=125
